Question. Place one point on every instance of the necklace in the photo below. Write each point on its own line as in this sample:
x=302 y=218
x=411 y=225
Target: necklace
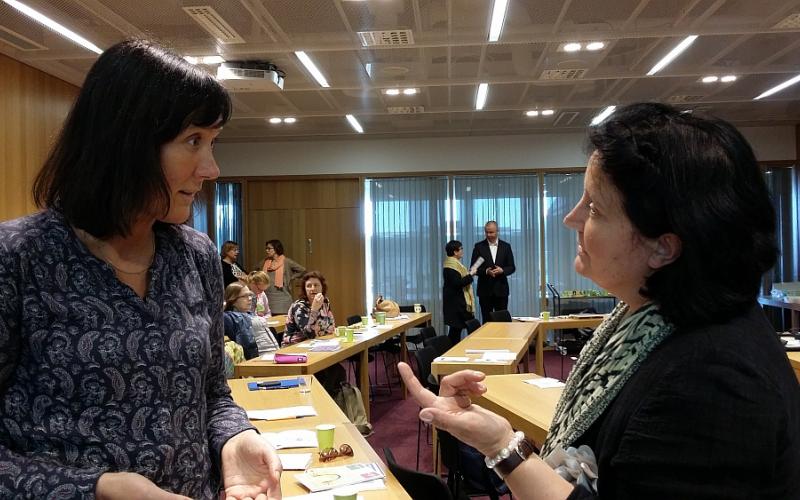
x=98 y=246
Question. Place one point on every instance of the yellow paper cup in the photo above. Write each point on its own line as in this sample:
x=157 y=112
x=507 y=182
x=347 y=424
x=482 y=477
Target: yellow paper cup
x=380 y=318
x=544 y=315
x=325 y=436
x=350 y=493
x=365 y=321
x=340 y=331
x=349 y=334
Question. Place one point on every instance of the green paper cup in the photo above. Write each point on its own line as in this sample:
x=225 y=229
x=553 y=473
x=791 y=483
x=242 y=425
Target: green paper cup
x=340 y=331
x=325 y=436
x=544 y=315
x=350 y=493
x=365 y=321
x=380 y=318
x=349 y=332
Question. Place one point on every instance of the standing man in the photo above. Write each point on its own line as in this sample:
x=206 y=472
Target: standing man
x=497 y=265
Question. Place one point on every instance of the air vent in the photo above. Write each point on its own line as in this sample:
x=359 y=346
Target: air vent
x=789 y=22
x=384 y=38
x=565 y=118
x=16 y=40
x=563 y=74
x=405 y=110
x=211 y=21
x=682 y=98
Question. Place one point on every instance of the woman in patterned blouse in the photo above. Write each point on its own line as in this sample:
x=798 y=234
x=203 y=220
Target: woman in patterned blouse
x=112 y=380
x=310 y=316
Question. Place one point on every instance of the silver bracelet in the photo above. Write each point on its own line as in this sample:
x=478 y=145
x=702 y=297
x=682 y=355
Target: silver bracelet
x=505 y=452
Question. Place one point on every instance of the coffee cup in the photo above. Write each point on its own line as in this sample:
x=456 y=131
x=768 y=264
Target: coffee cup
x=348 y=334
x=544 y=315
x=340 y=331
x=365 y=321
x=417 y=308
x=325 y=436
x=380 y=318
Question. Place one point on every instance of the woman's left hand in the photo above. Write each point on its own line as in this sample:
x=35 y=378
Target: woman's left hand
x=453 y=411
x=250 y=468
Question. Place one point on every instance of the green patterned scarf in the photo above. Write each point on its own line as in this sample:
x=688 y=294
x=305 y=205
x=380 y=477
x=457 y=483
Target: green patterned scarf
x=616 y=350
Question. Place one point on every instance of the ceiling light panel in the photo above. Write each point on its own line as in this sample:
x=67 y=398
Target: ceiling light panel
x=353 y=121
x=481 y=95
x=603 y=115
x=312 y=68
x=45 y=20
x=497 y=20
x=673 y=54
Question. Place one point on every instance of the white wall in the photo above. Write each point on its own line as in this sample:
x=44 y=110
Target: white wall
x=441 y=154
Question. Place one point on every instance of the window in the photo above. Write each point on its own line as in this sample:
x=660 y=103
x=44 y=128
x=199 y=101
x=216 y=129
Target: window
x=228 y=203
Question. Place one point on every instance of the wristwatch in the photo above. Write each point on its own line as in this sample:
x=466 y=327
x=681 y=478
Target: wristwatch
x=510 y=457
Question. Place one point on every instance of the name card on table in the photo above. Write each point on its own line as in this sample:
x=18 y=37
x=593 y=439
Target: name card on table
x=282 y=413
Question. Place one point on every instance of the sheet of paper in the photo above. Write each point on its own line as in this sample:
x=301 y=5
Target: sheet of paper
x=452 y=359
x=295 y=461
x=325 y=478
x=398 y=317
x=526 y=319
x=481 y=351
x=545 y=383
x=377 y=484
x=492 y=356
x=282 y=413
x=476 y=265
x=325 y=345
x=270 y=356
x=299 y=438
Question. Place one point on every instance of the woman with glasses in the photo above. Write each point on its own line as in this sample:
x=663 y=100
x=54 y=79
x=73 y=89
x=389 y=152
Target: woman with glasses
x=242 y=326
x=281 y=271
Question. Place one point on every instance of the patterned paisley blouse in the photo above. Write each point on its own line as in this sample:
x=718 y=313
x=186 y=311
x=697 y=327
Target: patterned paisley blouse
x=302 y=323
x=95 y=379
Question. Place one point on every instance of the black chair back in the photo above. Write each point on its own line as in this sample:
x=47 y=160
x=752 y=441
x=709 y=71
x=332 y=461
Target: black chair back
x=424 y=358
x=410 y=309
x=419 y=485
x=441 y=343
x=500 y=316
x=472 y=325
x=352 y=320
x=427 y=333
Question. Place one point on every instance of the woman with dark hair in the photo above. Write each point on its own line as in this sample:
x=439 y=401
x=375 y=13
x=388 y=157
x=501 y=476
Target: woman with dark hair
x=281 y=271
x=684 y=391
x=111 y=352
x=458 y=301
x=231 y=272
x=310 y=316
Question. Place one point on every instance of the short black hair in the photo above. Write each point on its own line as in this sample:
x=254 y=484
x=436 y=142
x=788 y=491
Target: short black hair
x=277 y=245
x=104 y=171
x=452 y=247
x=696 y=177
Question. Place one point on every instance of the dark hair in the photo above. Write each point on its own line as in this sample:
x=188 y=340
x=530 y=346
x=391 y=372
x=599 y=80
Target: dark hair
x=227 y=247
x=452 y=247
x=313 y=274
x=277 y=245
x=697 y=178
x=104 y=171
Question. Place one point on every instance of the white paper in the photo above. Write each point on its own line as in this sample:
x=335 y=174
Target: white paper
x=295 y=461
x=476 y=265
x=545 y=383
x=300 y=438
x=793 y=344
x=526 y=319
x=481 y=351
x=282 y=413
x=398 y=317
x=452 y=359
x=270 y=356
x=376 y=484
x=325 y=478
x=493 y=356
x=325 y=345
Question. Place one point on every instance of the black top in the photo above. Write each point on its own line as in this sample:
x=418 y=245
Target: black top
x=454 y=304
x=227 y=273
x=712 y=413
x=487 y=285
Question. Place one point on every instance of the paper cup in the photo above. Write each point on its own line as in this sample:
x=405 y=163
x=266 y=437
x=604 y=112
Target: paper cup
x=544 y=315
x=325 y=436
x=417 y=308
x=349 y=332
x=365 y=321
x=380 y=318
x=346 y=493
x=340 y=331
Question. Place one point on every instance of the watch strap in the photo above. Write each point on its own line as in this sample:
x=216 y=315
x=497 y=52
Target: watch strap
x=519 y=454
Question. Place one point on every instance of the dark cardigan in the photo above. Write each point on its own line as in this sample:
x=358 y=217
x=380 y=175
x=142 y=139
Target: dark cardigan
x=713 y=413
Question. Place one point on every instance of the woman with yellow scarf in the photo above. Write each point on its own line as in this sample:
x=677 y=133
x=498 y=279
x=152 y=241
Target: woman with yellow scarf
x=458 y=301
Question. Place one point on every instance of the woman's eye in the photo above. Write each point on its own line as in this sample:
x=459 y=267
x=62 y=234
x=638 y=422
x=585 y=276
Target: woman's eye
x=194 y=141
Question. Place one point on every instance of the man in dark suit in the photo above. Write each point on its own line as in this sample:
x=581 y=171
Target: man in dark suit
x=498 y=264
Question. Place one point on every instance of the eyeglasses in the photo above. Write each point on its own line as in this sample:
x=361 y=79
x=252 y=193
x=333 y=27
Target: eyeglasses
x=270 y=248
x=329 y=454
x=246 y=296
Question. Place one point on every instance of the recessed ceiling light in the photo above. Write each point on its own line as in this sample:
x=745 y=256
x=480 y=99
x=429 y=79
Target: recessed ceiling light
x=728 y=78
x=572 y=47
x=480 y=97
x=53 y=25
x=675 y=52
x=312 y=68
x=275 y=120
x=392 y=92
x=532 y=112
x=597 y=120
x=709 y=79
x=498 y=17
x=289 y=119
x=778 y=88
x=409 y=91
x=547 y=112
x=595 y=45
x=354 y=123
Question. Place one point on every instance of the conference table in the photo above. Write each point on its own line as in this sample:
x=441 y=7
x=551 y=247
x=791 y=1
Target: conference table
x=327 y=413
x=793 y=307
x=794 y=359
x=318 y=361
x=278 y=322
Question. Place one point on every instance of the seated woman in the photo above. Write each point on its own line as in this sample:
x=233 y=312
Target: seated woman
x=310 y=316
x=684 y=391
x=244 y=327
x=258 y=281
x=458 y=301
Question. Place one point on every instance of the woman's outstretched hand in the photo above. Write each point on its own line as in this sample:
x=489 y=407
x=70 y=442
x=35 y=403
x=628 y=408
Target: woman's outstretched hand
x=453 y=411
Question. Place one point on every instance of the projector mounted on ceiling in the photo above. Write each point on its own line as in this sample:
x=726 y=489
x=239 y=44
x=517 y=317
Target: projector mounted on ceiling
x=250 y=76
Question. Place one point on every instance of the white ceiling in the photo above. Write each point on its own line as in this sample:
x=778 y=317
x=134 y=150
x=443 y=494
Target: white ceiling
x=450 y=57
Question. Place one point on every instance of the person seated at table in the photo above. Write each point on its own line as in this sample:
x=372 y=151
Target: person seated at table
x=458 y=301
x=258 y=282
x=231 y=272
x=310 y=316
x=684 y=391
x=242 y=326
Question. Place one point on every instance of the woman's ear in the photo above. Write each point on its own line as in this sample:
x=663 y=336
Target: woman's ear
x=666 y=249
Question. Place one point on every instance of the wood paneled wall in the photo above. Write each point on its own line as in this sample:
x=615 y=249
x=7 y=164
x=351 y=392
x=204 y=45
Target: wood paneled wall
x=319 y=223
x=33 y=106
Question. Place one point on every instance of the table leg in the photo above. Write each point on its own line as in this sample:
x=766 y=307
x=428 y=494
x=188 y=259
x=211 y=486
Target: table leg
x=363 y=382
x=404 y=357
x=540 y=334
x=526 y=360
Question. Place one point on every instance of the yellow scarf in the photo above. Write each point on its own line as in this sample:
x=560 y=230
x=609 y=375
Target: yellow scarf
x=456 y=265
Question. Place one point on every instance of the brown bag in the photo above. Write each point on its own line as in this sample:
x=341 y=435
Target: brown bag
x=388 y=306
